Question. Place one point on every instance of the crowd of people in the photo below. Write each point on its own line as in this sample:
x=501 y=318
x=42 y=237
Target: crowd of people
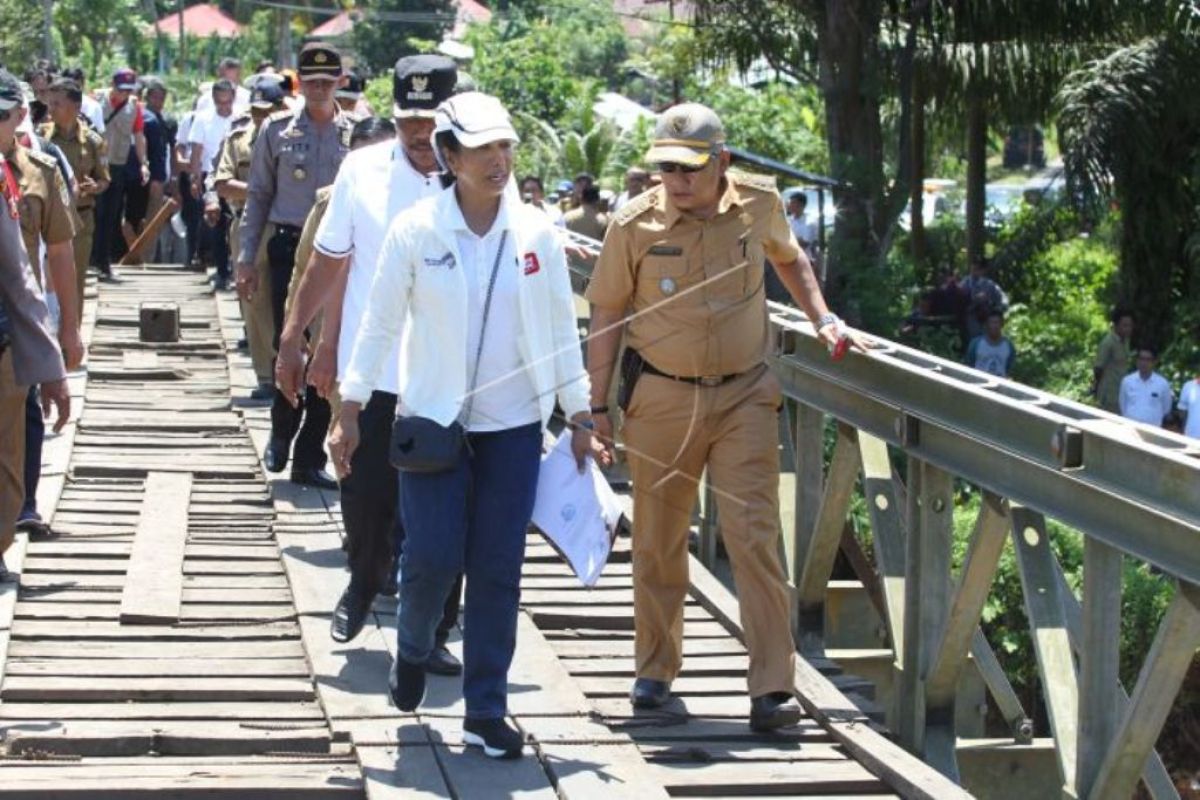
x=407 y=297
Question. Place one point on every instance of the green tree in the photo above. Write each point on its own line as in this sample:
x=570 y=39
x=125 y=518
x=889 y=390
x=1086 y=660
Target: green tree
x=1131 y=132
x=390 y=29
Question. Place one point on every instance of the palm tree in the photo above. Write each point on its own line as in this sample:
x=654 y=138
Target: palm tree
x=1131 y=132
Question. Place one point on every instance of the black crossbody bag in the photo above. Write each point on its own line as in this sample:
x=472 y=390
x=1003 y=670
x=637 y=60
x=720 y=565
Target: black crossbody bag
x=420 y=444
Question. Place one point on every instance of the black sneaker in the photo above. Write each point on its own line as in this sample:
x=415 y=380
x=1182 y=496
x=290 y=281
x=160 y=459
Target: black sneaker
x=497 y=739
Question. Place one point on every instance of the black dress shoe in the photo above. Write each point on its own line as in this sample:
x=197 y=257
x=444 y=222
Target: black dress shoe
x=406 y=684
x=275 y=457
x=349 y=615
x=264 y=391
x=772 y=711
x=442 y=662
x=314 y=477
x=649 y=693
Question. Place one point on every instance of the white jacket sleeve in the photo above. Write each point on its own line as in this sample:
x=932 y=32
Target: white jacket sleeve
x=574 y=387
x=383 y=322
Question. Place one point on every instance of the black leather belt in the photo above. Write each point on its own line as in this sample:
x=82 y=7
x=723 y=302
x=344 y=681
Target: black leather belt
x=699 y=380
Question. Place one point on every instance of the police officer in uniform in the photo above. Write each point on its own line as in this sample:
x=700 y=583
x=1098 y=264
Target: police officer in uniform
x=87 y=154
x=375 y=184
x=46 y=216
x=685 y=262
x=230 y=181
x=296 y=153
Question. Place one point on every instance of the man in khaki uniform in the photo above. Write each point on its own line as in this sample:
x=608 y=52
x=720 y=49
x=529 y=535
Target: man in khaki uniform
x=230 y=180
x=683 y=265
x=88 y=155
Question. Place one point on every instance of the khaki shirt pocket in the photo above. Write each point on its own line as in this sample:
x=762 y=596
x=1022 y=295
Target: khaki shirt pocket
x=664 y=276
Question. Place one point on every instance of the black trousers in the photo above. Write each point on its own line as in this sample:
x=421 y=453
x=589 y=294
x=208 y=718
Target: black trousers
x=370 y=510
x=307 y=423
x=110 y=210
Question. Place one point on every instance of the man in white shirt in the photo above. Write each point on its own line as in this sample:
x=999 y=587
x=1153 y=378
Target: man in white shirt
x=533 y=193
x=373 y=185
x=637 y=180
x=229 y=69
x=207 y=131
x=1189 y=406
x=1145 y=395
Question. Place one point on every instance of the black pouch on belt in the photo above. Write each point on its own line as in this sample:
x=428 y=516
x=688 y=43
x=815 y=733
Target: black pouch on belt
x=632 y=364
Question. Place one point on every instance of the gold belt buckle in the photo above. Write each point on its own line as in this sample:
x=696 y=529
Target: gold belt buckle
x=711 y=380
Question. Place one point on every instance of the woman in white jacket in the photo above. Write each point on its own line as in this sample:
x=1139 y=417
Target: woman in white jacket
x=478 y=282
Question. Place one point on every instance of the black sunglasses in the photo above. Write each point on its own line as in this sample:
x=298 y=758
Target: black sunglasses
x=667 y=167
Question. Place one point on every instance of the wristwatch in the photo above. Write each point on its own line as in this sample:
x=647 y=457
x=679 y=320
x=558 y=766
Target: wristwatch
x=826 y=320
x=586 y=424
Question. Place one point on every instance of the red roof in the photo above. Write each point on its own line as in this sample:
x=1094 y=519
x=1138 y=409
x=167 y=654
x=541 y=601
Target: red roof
x=200 y=20
x=335 y=26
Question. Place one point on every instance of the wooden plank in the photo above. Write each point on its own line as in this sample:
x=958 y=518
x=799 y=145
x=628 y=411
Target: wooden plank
x=109 y=739
x=58 y=689
x=623 y=648
x=586 y=760
x=822 y=548
x=178 y=711
x=108 y=631
x=684 y=686
x=159 y=667
x=887 y=534
x=150 y=649
x=475 y=777
x=899 y=769
x=693 y=666
x=705 y=780
x=599 y=617
x=109 y=781
x=402 y=773
x=196 y=612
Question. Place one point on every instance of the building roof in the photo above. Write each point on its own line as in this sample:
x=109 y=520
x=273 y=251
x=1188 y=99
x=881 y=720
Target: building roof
x=337 y=25
x=200 y=20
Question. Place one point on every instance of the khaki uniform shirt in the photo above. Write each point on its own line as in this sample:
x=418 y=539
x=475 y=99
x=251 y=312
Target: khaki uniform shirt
x=292 y=158
x=233 y=163
x=1113 y=362
x=304 y=251
x=694 y=288
x=45 y=207
x=87 y=154
x=587 y=221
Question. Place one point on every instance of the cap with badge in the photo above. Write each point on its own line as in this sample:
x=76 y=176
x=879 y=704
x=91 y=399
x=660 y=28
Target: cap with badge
x=266 y=94
x=11 y=94
x=318 y=60
x=353 y=88
x=687 y=134
x=125 y=79
x=421 y=83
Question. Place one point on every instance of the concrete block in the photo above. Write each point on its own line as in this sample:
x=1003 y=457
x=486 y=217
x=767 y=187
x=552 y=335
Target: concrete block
x=158 y=322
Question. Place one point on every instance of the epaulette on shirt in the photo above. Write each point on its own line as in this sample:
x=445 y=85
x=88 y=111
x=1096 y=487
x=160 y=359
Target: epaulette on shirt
x=753 y=180
x=278 y=116
x=42 y=160
x=635 y=207
x=241 y=122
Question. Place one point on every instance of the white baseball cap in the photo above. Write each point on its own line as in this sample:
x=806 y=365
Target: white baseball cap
x=475 y=119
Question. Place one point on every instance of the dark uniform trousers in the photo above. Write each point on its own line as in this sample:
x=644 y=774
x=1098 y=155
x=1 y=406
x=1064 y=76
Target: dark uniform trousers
x=110 y=210
x=369 y=494
x=308 y=422
x=12 y=449
x=672 y=431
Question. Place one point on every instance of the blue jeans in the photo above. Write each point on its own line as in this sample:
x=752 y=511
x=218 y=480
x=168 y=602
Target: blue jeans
x=471 y=519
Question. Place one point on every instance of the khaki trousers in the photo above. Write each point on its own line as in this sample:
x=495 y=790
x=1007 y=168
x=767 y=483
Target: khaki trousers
x=260 y=321
x=82 y=246
x=12 y=451
x=672 y=431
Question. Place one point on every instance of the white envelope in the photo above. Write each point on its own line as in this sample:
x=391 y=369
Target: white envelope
x=576 y=512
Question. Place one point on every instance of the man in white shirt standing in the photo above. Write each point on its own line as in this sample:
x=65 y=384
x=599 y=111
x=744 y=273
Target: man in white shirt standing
x=1145 y=395
x=373 y=186
x=1189 y=406
x=229 y=69
x=207 y=131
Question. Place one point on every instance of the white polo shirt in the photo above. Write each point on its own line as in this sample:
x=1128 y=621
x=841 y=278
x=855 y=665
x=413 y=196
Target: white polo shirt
x=209 y=129
x=355 y=224
x=1147 y=400
x=1189 y=403
x=505 y=396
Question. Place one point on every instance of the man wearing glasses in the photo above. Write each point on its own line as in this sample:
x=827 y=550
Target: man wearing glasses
x=682 y=271
x=296 y=153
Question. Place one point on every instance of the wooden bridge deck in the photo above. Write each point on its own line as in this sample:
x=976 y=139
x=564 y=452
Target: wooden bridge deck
x=109 y=690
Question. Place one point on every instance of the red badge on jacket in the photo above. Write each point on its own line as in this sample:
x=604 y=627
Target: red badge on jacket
x=531 y=263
